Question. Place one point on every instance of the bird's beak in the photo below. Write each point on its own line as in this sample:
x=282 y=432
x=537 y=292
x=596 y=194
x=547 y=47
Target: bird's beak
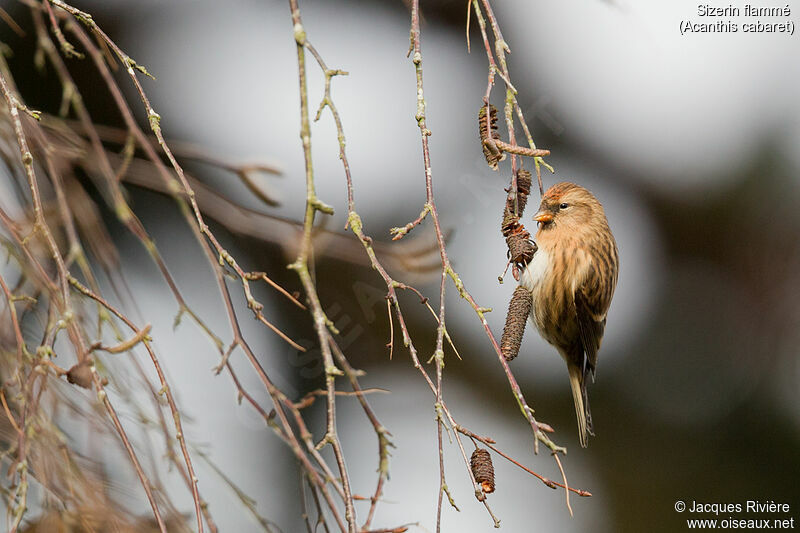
x=543 y=216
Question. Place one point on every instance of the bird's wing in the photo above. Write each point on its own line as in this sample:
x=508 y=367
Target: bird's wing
x=591 y=305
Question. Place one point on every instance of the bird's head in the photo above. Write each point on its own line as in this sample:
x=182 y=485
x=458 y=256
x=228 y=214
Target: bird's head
x=566 y=205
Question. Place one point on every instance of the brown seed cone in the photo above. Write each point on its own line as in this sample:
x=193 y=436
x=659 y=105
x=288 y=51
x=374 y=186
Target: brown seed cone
x=515 y=203
x=510 y=222
x=518 y=310
x=482 y=469
x=520 y=247
x=523 y=189
x=487 y=130
x=524 y=182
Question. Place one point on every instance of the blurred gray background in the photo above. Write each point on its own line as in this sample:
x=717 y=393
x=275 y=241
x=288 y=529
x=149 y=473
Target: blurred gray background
x=690 y=142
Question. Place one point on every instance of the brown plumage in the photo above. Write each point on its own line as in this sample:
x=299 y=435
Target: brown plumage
x=572 y=278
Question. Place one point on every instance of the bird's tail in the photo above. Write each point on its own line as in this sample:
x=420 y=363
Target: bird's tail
x=577 y=382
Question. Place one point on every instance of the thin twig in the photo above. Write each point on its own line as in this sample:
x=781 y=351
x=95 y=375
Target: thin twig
x=301 y=266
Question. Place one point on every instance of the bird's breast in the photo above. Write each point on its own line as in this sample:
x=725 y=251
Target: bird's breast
x=536 y=272
x=550 y=277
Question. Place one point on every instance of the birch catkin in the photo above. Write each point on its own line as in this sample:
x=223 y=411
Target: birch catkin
x=482 y=469
x=518 y=310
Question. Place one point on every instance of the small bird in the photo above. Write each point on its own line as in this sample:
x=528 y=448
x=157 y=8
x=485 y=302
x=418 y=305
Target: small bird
x=572 y=277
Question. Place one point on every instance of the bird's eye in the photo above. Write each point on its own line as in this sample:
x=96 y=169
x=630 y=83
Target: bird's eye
x=563 y=206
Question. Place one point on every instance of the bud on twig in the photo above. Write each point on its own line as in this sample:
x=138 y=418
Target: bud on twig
x=80 y=375
x=482 y=469
x=518 y=310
